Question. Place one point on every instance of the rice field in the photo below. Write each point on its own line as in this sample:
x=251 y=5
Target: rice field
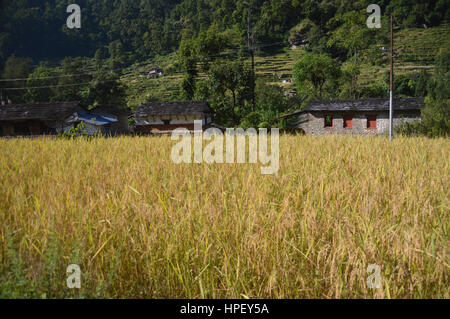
x=140 y=226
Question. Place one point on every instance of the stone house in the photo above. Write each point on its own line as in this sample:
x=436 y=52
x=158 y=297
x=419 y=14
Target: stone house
x=362 y=117
x=165 y=117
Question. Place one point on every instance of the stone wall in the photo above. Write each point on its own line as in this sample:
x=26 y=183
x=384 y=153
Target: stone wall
x=313 y=123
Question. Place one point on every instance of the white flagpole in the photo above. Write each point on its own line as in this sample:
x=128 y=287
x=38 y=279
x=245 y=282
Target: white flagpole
x=391 y=95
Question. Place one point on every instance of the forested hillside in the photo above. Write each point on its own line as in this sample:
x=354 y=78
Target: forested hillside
x=36 y=29
x=205 y=49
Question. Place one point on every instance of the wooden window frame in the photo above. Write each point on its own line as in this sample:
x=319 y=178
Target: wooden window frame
x=325 y=122
x=345 y=117
x=372 y=118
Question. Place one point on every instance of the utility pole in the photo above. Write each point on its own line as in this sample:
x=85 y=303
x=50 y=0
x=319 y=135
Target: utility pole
x=391 y=92
x=250 y=44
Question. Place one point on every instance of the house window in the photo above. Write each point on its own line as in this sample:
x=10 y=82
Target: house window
x=166 y=122
x=372 y=122
x=348 y=121
x=328 y=121
x=21 y=128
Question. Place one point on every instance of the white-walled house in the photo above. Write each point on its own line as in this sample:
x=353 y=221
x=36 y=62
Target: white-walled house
x=164 y=117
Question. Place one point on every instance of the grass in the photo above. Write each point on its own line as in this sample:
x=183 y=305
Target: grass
x=140 y=226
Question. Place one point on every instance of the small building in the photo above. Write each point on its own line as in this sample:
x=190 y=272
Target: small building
x=164 y=117
x=105 y=120
x=363 y=117
x=155 y=73
x=37 y=119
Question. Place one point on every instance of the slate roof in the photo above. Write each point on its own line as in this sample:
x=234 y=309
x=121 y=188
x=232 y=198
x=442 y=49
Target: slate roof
x=373 y=104
x=37 y=111
x=173 y=109
x=112 y=109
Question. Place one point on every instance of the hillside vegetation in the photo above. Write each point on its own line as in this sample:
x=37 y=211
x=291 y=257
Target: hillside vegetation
x=206 y=50
x=417 y=49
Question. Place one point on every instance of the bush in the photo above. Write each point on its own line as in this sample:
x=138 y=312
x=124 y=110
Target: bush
x=435 y=120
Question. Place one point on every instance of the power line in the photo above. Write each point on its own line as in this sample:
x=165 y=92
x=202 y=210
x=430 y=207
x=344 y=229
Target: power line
x=198 y=58
x=70 y=75
x=86 y=83
x=49 y=77
x=56 y=86
x=63 y=85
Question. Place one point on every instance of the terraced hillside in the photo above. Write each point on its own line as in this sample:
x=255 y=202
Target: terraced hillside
x=416 y=49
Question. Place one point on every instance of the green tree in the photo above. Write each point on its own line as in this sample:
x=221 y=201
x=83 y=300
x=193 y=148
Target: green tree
x=271 y=103
x=42 y=76
x=313 y=72
x=209 y=45
x=188 y=63
x=350 y=33
x=231 y=78
x=15 y=68
x=99 y=57
x=436 y=114
x=71 y=81
x=436 y=118
x=421 y=85
x=349 y=80
x=118 y=59
x=105 y=89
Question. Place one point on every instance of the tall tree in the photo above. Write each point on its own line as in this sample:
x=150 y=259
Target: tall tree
x=15 y=68
x=233 y=78
x=313 y=72
x=188 y=63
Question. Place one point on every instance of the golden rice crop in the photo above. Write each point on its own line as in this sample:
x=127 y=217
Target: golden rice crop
x=140 y=226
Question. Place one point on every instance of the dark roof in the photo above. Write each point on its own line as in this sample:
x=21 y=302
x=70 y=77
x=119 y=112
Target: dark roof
x=379 y=104
x=37 y=111
x=173 y=108
x=112 y=110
